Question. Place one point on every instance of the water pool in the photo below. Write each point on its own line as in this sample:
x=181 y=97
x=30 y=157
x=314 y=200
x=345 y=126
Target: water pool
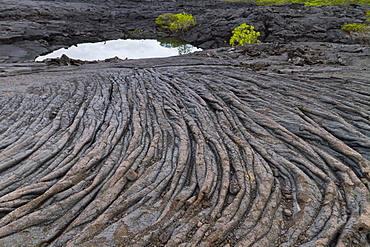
x=124 y=48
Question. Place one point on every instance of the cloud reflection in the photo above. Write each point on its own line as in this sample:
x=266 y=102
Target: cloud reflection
x=128 y=48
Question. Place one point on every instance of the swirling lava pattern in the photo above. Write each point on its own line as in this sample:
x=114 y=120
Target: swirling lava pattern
x=198 y=155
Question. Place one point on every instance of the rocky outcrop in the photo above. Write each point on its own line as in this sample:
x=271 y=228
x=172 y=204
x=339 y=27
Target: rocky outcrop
x=260 y=145
x=31 y=27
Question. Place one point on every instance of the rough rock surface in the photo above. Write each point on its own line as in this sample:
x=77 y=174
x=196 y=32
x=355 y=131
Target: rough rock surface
x=239 y=146
x=29 y=28
x=262 y=145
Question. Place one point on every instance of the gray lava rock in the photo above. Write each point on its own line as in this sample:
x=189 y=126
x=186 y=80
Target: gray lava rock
x=63 y=23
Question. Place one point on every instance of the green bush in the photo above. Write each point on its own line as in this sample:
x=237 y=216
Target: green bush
x=354 y=27
x=325 y=2
x=244 y=34
x=269 y=2
x=177 y=22
x=312 y=2
x=305 y=2
x=237 y=0
x=358 y=27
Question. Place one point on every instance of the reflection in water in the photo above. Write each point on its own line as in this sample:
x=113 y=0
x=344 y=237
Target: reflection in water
x=173 y=42
x=128 y=48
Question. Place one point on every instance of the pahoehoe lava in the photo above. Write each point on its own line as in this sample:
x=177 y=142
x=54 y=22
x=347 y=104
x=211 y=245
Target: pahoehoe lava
x=198 y=150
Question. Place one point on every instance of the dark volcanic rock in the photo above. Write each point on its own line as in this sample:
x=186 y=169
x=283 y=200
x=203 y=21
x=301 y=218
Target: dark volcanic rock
x=60 y=23
x=259 y=145
x=227 y=147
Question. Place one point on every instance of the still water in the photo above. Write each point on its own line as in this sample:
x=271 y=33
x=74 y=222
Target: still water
x=128 y=48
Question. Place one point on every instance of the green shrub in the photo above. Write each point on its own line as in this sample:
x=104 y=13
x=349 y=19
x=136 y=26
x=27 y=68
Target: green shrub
x=165 y=20
x=237 y=0
x=354 y=27
x=244 y=34
x=312 y=2
x=270 y=2
x=324 y=2
x=177 y=22
x=358 y=27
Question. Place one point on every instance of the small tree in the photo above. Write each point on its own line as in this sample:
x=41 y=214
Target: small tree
x=177 y=22
x=244 y=34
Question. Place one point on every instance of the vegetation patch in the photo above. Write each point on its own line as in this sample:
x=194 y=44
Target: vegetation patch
x=367 y=13
x=244 y=34
x=354 y=27
x=305 y=2
x=176 y=22
x=358 y=27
